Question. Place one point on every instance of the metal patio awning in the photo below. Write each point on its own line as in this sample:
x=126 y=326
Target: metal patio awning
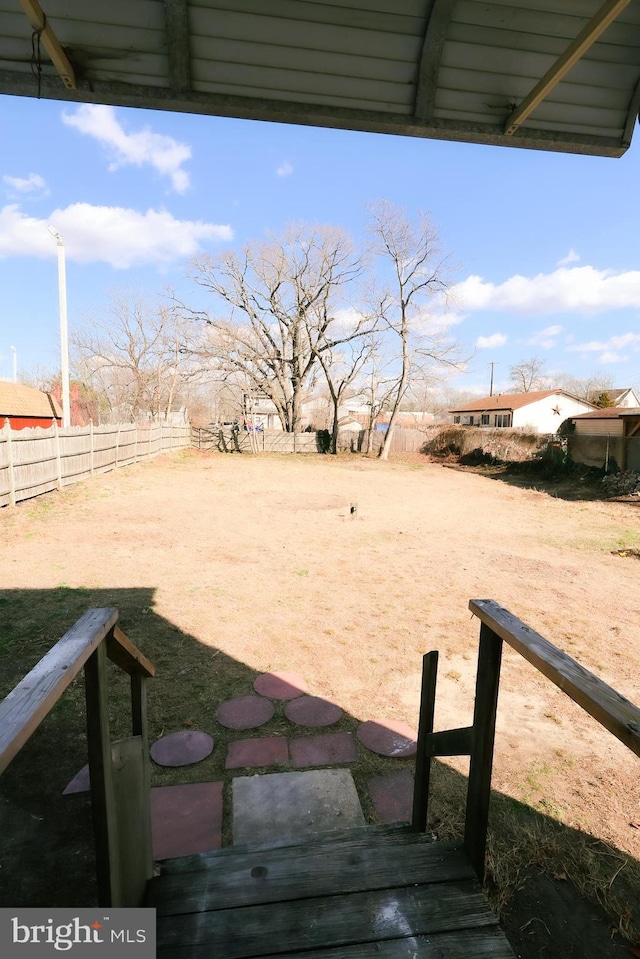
x=558 y=75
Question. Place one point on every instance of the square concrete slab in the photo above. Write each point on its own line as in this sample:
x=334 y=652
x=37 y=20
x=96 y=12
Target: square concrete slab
x=284 y=808
x=186 y=819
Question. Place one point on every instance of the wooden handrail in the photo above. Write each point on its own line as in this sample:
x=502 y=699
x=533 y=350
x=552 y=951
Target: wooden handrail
x=497 y=625
x=35 y=696
x=617 y=714
x=119 y=772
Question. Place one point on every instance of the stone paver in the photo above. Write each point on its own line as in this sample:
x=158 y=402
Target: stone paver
x=268 y=751
x=182 y=748
x=388 y=738
x=186 y=819
x=281 y=808
x=323 y=750
x=81 y=783
x=245 y=712
x=392 y=796
x=312 y=711
x=280 y=685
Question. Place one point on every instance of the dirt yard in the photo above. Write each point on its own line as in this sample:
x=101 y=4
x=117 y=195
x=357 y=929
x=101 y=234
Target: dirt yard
x=346 y=570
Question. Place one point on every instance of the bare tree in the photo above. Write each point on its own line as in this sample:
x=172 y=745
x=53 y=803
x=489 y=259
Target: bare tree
x=408 y=248
x=529 y=375
x=133 y=357
x=282 y=298
x=342 y=364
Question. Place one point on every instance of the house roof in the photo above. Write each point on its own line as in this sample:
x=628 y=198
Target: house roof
x=614 y=395
x=608 y=413
x=19 y=400
x=554 y=75
x=510 y=401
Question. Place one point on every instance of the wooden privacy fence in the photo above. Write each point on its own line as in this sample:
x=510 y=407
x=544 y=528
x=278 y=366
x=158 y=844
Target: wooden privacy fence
x=277 y=441
x=34 y=461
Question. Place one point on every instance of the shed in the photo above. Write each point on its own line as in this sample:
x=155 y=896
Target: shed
x=540 y=412
x=604 y=435
x=24 y=406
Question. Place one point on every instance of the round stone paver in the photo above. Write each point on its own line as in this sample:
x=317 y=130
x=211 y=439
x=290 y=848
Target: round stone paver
x=388 y=738
x=245 y=712
x=312 y=711
x=280 y=685
x=182 y=748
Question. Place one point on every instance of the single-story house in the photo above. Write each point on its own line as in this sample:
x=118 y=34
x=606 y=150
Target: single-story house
x=606 y=434
x=540 y=412
x=625 y=397
x=24 y=406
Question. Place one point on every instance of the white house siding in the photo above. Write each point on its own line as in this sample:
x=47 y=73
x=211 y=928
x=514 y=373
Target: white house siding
x=540 y=416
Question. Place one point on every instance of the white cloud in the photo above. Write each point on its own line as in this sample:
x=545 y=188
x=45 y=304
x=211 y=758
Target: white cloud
x=488 y=342
x=285 y=169
x=545 y=338
x=34 y=185
x=610 y=349
x=163 y=153
x=115 y=235
x=571 y=257
x=580 y=289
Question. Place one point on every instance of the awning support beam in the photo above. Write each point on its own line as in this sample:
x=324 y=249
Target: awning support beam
x=434 y=38
x=38 y=20
x=176 y=18
x=586 y=38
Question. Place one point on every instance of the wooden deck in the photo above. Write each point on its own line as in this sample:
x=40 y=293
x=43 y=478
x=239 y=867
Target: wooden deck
x=375 y=891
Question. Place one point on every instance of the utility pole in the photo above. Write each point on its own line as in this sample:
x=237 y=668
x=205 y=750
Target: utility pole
x=491 y=387
x=64 y=344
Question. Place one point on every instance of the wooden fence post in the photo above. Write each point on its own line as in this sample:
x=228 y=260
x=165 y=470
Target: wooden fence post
x=484 y=727
x=425 y=727
x=91 y=450
x=12 y=479
x=117 y=445
x=101 y=775
x=56 y=433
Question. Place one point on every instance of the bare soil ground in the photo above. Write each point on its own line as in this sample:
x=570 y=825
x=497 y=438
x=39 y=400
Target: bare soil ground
x=253 y=564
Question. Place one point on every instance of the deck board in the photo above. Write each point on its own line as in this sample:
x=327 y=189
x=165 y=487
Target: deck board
x=284 y=874
x=374 y=895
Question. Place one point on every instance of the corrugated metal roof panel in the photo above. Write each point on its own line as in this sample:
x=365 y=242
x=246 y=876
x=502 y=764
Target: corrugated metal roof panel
x=362 y=64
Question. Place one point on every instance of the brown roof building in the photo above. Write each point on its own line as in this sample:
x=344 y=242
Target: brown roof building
x=24 y=406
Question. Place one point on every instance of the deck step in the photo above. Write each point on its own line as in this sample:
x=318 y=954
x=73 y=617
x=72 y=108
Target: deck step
x=372 y=892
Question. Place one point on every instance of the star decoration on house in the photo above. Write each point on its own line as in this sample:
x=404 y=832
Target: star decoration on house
x=556 y=409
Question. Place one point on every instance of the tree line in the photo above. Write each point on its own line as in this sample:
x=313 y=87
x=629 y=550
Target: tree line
x=287 y=316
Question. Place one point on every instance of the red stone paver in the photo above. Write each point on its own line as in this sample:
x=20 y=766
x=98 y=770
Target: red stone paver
x=392 y=796
x=245 y=712
x=312 y=711
x=280 y=685
x=269 y=751
x=326 y=749
x=388 y=738
x=186 y=819
x=182 y=748
x=81 y=783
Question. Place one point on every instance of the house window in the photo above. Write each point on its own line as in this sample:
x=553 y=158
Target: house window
x=485 y=419
x=503 y=419
x=456 y=419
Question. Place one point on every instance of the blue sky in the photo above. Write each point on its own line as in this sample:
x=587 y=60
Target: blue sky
x=545 y=246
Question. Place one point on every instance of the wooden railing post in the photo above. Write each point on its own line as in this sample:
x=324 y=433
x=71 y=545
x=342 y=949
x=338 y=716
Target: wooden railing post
x=100 y=771
x=483 y=735
x=425 y=728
